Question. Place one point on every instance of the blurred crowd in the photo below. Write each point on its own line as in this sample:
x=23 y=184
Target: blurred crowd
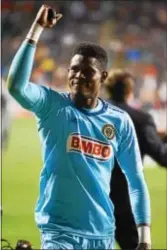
x=132 y=32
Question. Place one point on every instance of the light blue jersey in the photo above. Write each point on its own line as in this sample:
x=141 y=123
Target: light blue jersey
x=79 y=147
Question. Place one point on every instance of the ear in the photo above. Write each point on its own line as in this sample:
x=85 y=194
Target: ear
x=104 y=76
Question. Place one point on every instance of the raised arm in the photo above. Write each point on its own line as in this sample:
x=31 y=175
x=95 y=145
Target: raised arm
x=130 y=162
x=29 y=95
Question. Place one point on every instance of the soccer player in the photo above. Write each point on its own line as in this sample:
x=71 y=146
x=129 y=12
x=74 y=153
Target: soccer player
x=119 y=85
x=80 y=136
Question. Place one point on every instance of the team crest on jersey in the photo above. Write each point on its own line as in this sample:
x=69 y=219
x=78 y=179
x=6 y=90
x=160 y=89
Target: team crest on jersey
x=90 y=147
x=109 y=131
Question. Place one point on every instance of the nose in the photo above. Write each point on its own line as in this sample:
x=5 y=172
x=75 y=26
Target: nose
x=79 y=74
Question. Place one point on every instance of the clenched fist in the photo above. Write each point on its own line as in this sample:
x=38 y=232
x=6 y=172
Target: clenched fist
x=143 y=246
x=47 y=17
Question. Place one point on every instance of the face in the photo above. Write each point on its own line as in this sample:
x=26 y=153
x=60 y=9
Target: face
x=85 y=77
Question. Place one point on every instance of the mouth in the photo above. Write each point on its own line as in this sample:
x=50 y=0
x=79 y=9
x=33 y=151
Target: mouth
x=80 y=87
x=79 y=83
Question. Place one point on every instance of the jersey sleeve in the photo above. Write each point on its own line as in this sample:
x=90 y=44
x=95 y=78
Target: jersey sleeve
x=33 y=97
x=153 y=144
x=129 y=159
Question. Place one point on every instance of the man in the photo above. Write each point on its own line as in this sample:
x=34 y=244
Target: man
x=80 y=135
x=119 y=85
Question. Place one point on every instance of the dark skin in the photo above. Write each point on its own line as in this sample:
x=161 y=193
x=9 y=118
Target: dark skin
x=85 y=74
x=85 y=77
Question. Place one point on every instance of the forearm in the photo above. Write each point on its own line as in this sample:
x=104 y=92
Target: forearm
x=140 y=199
x=20 y=71
x=158 y=152
x=140 y=202
x=27 y=94
x=19 y=76
x=21 y=67
x=156 y=148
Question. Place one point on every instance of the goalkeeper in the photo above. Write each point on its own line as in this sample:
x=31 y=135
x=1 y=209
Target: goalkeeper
x=80 y=136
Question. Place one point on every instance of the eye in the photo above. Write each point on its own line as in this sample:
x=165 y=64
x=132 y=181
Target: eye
x=75 y=68
x=89 y=71
x=92 y=71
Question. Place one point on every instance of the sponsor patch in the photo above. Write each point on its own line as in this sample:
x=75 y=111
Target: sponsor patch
x=109 y=131
x=89 y=147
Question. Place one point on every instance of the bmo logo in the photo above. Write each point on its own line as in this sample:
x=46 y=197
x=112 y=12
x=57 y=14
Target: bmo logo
x=89 y=147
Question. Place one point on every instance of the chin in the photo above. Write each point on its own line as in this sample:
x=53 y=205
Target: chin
x=83 y=95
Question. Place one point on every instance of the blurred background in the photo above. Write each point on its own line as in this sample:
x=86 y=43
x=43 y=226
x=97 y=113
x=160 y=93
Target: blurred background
x=134 y=36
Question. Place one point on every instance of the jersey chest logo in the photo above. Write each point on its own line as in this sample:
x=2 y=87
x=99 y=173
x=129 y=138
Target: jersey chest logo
x=109 y=131
x=90 y=147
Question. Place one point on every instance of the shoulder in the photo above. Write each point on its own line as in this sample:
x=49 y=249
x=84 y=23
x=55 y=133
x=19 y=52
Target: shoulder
x=139 y=117
x=54 y=95
x=62 y=95
x=144 y=118
x=115 y=110
x=120 y=116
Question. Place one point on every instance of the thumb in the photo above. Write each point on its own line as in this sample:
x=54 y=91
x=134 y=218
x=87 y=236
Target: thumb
x=58 y=17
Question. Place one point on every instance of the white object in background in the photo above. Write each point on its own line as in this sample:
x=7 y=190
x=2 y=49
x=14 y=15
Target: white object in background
x=150 y=82
x=163 y=91
x=149 y=162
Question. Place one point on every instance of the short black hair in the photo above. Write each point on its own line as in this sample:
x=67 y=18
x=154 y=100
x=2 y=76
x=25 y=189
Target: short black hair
x=88 y=49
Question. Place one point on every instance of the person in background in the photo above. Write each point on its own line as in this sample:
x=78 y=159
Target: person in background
x=119 y=88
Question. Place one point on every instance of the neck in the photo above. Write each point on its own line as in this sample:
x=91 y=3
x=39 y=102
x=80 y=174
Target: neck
x=84 y=102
